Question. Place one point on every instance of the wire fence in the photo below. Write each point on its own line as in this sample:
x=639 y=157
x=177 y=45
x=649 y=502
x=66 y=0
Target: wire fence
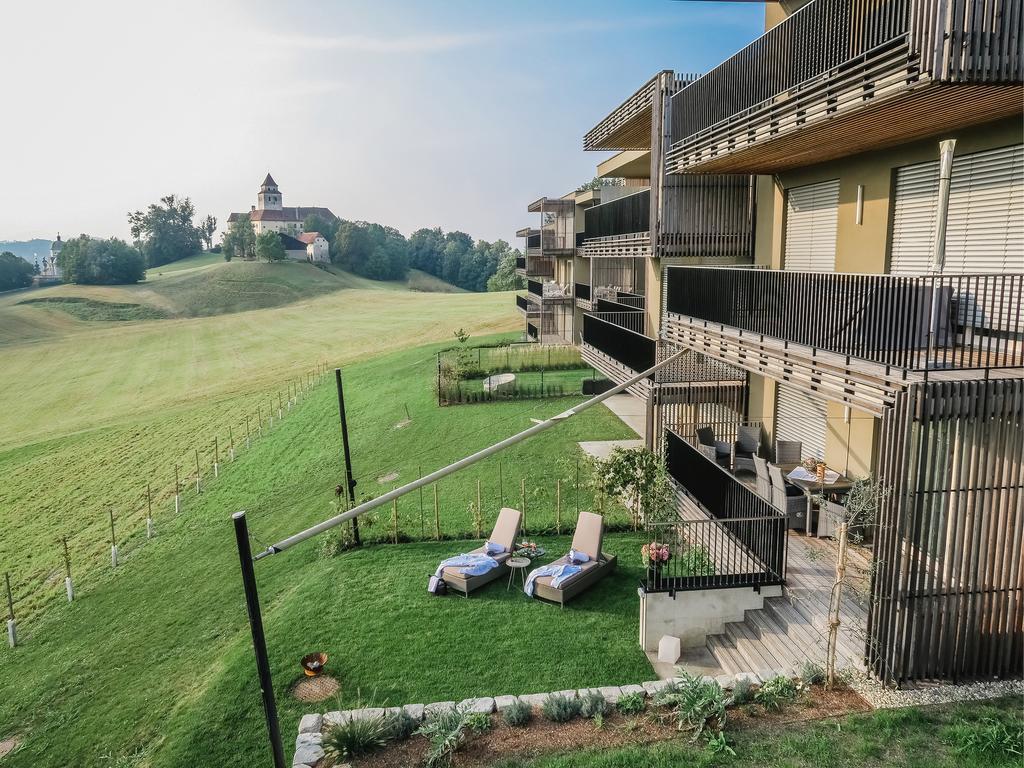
x=133 y=521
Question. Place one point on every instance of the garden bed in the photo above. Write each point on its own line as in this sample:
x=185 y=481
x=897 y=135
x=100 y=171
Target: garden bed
x=542 y=737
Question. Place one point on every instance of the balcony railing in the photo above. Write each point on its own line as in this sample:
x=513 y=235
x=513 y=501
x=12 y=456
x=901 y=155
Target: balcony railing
x=520 y=262
x=522 y=303
x=737 y=539
x=834 y=56
x=582 y=291
x=916 y=322
x=623 y=216
x=540 y=266
x=535 y=287
x=628 y=345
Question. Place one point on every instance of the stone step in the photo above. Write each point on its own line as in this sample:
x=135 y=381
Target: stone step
x=726 y=655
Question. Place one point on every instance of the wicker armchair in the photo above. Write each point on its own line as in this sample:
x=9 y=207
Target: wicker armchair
x=746 y=448
x=788 y=499
x=722 y=452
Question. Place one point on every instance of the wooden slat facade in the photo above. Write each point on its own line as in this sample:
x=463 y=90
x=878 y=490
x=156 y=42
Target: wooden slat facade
x=948 y=584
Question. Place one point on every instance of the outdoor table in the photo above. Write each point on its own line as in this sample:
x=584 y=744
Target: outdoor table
x=517 y=565
x=811 y=487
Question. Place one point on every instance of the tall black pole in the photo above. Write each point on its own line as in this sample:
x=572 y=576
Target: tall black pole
x=350 y=481
x=259 y=642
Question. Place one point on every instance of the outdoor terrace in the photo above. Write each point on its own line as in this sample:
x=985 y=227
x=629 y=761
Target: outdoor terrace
x=843 y=76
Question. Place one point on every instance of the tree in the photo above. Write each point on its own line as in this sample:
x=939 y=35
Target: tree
x=15 y=272
x=371 y=250
x=425 y=247
x=208 y=228
x=858 y=510
x=240 y=240
x=101 y=262
x=505 y=277
x=317 y=223
x=270 y=247
x=164 y=232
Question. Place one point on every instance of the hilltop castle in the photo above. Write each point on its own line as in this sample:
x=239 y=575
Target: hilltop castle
x=270 y=215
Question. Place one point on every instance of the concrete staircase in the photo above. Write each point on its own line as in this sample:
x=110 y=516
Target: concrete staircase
x=781 y=635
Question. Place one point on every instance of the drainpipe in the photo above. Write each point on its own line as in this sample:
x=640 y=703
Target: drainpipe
x=946 y=148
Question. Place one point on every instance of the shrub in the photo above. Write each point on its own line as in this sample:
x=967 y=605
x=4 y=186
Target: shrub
x=478 y=722
x=518 y=714
x=560 y=709
x=356 y=737
x=631 y=704
x=742 y=691
x=400 y=725
x=446 y=731
x=697 y=702
x=775 y=692
x=811 y=673
x=593 y=705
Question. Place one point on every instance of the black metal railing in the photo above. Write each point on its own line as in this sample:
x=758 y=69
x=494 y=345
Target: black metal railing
x=520 y=262
x=633 y=300
x=611 y=307
x=915 y=322
x=629 y=347
x=540 y=266
x=974 y=41
x=623 y=216
x=535 y=287
x=522 y=303
x=531 y=331
x=737 y=539
x=582 y=291
x=533 y=241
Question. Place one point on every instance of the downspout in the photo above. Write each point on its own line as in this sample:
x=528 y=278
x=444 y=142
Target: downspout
x=946 y=148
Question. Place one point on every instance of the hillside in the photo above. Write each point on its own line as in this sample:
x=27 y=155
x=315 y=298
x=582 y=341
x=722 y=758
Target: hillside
x=26 y=249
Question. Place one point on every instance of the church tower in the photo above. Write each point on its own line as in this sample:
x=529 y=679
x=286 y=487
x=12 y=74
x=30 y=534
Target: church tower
x=269 y=198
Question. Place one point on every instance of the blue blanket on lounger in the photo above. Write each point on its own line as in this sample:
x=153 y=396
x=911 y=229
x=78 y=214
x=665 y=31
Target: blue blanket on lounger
x=560 y=573
x=471 y=565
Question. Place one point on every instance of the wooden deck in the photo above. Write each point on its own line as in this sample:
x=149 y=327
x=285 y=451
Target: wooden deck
x=792 y=629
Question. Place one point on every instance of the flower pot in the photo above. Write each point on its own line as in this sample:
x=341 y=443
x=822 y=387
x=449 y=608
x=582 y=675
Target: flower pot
x=313 y=664
x=820 y=471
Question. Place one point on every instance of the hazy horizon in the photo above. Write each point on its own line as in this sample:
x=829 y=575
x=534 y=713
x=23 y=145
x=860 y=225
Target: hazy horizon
x=407 y=114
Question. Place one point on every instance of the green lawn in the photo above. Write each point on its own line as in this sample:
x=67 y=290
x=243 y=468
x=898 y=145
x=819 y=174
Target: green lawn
x=945 y=736
x=155 y=658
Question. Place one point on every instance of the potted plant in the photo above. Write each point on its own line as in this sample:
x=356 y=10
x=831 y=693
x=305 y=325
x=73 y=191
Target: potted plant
x=655 y=555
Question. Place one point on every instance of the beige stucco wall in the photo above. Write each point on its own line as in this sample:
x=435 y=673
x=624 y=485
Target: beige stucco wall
x=862 y=247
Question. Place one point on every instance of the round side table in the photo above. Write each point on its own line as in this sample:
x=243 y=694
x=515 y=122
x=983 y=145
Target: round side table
x=517 y=565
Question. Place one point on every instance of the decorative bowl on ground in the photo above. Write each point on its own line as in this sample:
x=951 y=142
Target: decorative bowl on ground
x=313 y=663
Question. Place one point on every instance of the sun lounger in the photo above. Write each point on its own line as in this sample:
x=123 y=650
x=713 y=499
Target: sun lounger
x=506 y=531
x=587 y=539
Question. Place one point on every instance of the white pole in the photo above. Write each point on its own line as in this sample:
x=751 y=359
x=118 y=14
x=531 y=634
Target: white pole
x=12 y=633
x=69 y=587
x=113 y=555
x=149 y=527
x=216 y=470
x=177 y=504
x=462 y=463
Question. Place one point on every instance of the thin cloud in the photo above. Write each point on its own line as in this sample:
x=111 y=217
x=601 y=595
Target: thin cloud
x=393 y=44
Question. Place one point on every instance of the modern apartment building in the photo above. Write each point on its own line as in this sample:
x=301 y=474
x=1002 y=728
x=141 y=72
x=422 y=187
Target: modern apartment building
x=834 y=229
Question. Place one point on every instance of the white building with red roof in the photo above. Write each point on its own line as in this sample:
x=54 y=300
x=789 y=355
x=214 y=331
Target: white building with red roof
x=270 y=213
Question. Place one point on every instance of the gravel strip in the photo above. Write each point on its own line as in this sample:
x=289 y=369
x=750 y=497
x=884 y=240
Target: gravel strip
x=880 y=697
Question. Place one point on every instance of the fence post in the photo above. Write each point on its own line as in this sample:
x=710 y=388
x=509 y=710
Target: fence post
x=12 y=628
x=280 y=411
x=231 y=442
x=394 y=520
x=216 y=457
x=437 y=517
x=149 y=512
x=248 y=434
x=259 y=420
x=558 y=506
x=199 y=488
x=522 y=501
x=177 y=491
x=423 y=530
x=577 y=494
x=69 y=586
x=479 y=508
x=270 y=415
x=501 y=487
x=113 y=542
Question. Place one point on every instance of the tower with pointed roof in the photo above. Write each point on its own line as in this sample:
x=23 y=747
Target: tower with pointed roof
x=269 y=198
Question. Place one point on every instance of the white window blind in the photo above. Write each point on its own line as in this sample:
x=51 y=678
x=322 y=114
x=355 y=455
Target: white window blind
x=811 y=215
x=798 y=416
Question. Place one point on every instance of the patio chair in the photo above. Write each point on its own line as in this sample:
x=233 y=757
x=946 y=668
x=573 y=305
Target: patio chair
x=587 y=539
x=746 y=448
x=714 y=449
x=764 y=481
x=505 y=533
x=788 y=451
x=788 y=499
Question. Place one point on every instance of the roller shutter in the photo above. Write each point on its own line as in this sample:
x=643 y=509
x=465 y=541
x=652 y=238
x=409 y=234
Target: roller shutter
x=798 y=416
x=811 y=215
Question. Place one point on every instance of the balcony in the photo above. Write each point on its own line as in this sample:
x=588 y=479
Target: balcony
x=628 y=126
x=619 y=336
x=844 y=76
x=915 y=323
x=535 y=265
x=582 y=291
x=734 y=537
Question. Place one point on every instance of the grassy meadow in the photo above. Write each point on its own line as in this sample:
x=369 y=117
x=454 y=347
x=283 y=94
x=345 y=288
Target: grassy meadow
x=151 y=665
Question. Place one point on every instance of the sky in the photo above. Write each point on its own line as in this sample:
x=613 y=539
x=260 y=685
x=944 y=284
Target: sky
x=447 y=113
